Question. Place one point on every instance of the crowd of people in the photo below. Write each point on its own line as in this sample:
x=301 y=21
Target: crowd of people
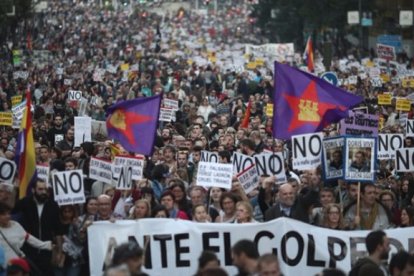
x=84 y=48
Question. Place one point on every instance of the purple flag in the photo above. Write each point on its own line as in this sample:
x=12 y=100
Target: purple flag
x=134 y=123
x=304 y=103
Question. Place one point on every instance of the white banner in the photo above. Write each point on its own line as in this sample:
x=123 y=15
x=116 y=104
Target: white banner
x=7 y=170
x=307 y=150
x=214 y=175
x=83 y=130
x=279 y=51
x=409 y=128
x=100 y=170
x=388 y=144
x=249 y=179
x=68 y=187
x=404 y=161
x=136 y=163
x=172 y=247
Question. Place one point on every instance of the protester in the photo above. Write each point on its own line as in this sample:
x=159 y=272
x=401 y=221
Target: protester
x=402 y=263
x=268 y=265
x=245 y=257
x=131 y=255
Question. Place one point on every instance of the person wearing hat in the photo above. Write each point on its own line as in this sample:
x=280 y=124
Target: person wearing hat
x=130 y=254
x=18 y=267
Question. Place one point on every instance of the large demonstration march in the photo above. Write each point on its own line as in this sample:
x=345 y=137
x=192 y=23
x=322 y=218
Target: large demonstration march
x=205 y=138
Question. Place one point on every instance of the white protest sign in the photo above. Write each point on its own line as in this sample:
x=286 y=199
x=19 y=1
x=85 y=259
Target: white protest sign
x=20 y=75
x=376 y=82
x=208 y=156
x=249 y=179
x=409 y=128
x=136 y=163
x=173 y=246
x=125 y=178
x=360 y=159
x=333 y=157
x=18 y=110
x=167 y=115
x=43 y=173
x=307 y=150
x=404 y=160
x=68 y=187
x=74 y=95
x=388 y=144
x=7 y=170
x=83 y=130
x=171 y=104
x=67 y=82
x=214 y=175
x=100 y=170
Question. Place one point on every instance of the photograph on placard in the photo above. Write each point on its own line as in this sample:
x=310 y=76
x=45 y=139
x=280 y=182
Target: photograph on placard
x=360 y=158
x=333 y=157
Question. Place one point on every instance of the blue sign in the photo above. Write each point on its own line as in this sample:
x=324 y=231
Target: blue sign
x=330 y=77
x=391 y=40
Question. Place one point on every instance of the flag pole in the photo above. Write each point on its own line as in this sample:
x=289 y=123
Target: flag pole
x=358 y=199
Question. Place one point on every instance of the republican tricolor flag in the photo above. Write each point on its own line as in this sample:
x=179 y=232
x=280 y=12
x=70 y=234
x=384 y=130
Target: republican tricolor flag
x=308 y=55
x=25 y=152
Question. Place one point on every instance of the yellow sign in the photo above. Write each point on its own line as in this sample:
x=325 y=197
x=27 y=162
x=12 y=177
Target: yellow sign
x=403 y=104
x=407 y=83
x=6 y=119
x=16 y=100
x=385 y=78
x=384 y=99
x=260 y=62
x=125 y=67
x=269 y=110
x=251 y=65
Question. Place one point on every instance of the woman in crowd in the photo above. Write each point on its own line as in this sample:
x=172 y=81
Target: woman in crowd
x=178 y=189
x=228 y=202
x=407 y=217
x=332 y=217
x=168 y=200
x=200 y=213
x=141 y=209
x=215 y=194
x=13 y=236
x=244 y=212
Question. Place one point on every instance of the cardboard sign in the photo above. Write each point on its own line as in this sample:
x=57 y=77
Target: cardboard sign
x=388 y=144
x=403 y=104
x=43 y=173
x=359 y=124
x=333 y=161
x=407 y=83
x=74 y=95
x=208 y=156
x=100 y=170
x=249 y=179
x=18 y=110
x=385 y=51
x=83 y=130
x=16 y=100
x=7 y=170
x=6 y=119
x=404 y=160
x=269 y=110
x=136 y=163
x=384 y=99
x=125 y=178
x=409 y=128
x=360 y=159
x=68 y=187
x=307 y=151
x=214 y=175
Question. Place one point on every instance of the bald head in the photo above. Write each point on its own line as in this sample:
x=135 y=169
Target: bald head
x=286 y=195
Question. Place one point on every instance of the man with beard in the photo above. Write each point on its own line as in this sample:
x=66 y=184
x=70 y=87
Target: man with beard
x=56 y=133
x=378 y=247
x=66 y=145
x=39 y=216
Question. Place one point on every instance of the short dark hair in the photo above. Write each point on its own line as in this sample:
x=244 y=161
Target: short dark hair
x=230 y=195
x=365 y=185
x=374 y=239
x=71 y=160
x=400 y=260
x=167 y=193
x=206 y=257
x=159 y=208
x=225 y=154
x=247 y=247
x=248 y=143
x=126 y=251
